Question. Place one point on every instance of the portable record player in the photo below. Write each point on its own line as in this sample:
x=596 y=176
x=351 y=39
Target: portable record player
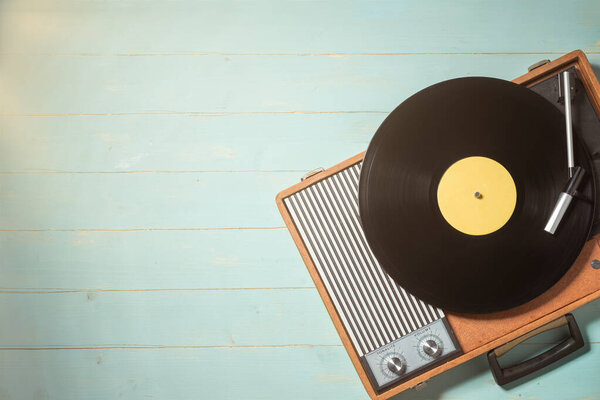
x=347 y=233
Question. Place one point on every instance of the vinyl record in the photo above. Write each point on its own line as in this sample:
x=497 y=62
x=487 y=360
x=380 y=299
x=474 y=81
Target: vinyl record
x=456 y=188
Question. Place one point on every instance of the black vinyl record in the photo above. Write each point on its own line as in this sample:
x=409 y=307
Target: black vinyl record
x=398 y=195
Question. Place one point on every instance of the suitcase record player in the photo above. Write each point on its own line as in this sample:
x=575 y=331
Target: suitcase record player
x=397 y=341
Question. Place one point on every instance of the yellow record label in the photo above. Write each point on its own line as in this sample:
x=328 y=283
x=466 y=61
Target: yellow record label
x=477 y=195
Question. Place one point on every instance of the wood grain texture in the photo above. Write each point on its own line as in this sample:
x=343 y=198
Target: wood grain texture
x=166 y=318
x=138 y=137
x=141 y=201
x=252 y=373
x=116 y=86
x=183 y=143
x=169 y=260
x=291 y=373
x=288 y=27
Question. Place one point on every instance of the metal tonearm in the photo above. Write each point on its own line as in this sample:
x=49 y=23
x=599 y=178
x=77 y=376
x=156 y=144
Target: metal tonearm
x=575 y=173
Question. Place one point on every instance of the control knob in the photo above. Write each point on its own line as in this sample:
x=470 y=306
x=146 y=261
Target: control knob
x=396 y=365
x=432 y=347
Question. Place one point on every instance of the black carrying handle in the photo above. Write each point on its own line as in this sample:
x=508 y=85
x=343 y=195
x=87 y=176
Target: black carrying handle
x=564 y=348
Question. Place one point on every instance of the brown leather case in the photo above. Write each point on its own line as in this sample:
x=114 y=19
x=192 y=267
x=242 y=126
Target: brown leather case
x=475 y=333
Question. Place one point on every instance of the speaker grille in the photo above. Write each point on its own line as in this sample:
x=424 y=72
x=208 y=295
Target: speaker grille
x=373 y=308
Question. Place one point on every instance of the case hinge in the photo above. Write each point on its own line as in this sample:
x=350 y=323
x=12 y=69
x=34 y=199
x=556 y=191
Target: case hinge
x=537 y=65
x=311 y=173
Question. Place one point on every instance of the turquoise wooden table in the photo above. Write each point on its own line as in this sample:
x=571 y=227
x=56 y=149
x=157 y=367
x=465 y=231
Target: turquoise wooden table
x=141 y=147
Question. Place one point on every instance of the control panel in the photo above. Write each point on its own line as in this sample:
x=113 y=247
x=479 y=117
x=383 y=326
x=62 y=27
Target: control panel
x=418 y=350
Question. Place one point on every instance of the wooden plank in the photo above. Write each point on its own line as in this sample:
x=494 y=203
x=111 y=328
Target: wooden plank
x=165 y=318
x=256 y=373
x=233 y=84
x=141 y=201
x=165 y=143
x=140 y=27
x=281 y=317
x=168 y=259
x=246 y=373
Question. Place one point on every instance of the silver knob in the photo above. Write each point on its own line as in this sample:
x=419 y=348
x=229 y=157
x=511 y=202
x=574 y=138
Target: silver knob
x=396 y=365
x=432 y=348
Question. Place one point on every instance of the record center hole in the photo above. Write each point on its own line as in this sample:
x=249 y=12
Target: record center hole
x=478 y=195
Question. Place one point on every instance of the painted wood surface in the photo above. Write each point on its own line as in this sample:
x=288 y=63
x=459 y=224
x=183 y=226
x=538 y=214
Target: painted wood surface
x=234 y=84
x=253 y=373
x=169 y=259
x=288 y=27
x=246 y=119
x=142 y=144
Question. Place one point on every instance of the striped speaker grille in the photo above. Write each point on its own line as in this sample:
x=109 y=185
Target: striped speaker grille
x=373 y=308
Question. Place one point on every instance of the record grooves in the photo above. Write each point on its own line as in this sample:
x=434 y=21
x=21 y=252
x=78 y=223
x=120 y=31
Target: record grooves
x=398 y=195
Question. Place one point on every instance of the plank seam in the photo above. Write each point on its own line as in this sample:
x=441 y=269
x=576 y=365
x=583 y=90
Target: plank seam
x=301 y=54
x=161 y=347
x=242 y=228
x=62 y=291
x=241 y=171
x=191 y=113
